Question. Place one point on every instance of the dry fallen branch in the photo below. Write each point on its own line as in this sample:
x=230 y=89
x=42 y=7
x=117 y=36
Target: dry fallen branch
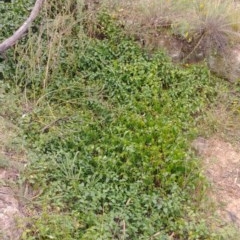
x=9 y=42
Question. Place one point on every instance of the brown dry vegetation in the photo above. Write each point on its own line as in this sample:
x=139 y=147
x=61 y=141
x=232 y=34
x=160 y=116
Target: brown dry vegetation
x=203 y=26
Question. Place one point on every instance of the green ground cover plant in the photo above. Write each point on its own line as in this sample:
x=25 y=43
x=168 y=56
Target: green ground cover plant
x=108 y=127
x=111 y=135
x=12 y=16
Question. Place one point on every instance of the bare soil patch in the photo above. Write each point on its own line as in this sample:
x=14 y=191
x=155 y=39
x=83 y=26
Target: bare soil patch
x=221 y=162
x=10 y=163
x=10 y=210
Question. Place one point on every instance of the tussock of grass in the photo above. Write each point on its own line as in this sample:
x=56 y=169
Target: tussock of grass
x=217 y=24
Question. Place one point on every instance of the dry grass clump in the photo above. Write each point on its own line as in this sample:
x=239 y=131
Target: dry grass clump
x=142 y=18
x=156 y=13
x=215 y=25
x=41 y=53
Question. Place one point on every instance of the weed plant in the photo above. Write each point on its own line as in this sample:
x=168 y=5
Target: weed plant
x=109 y=131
